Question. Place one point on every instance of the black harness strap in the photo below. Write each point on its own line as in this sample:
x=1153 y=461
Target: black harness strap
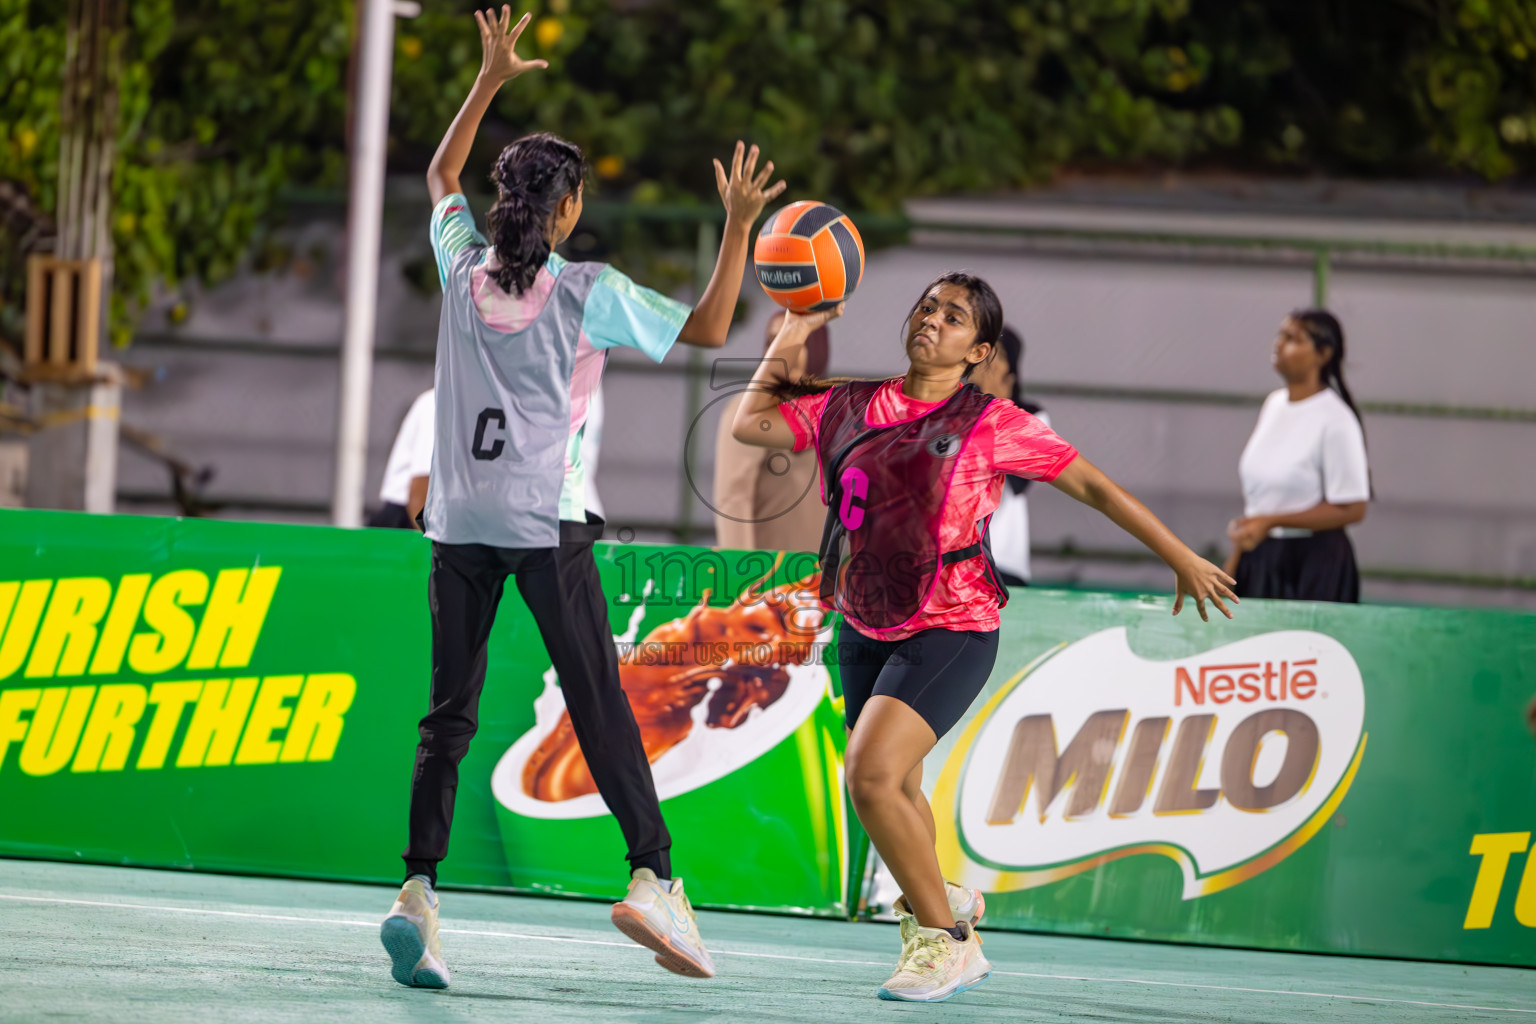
x=951 y=557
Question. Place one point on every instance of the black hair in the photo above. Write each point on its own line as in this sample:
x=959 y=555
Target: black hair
x=1013 y=350
x=986 y=312
x=1325 y=331
x=531 y=177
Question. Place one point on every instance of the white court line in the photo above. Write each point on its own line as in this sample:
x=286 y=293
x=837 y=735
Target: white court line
x=773 y=956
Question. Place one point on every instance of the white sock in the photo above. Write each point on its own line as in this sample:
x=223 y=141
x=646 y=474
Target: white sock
x=426 y=883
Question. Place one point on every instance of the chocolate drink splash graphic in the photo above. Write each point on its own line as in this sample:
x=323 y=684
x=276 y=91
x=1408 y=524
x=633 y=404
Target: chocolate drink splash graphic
x=704 y=670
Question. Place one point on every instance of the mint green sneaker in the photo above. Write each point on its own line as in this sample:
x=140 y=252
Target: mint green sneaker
x=409 y=934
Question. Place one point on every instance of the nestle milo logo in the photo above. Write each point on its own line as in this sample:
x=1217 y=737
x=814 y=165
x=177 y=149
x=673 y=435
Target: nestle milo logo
x=1226 y=762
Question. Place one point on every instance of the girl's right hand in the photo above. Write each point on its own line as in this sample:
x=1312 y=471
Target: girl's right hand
x=797 y=328
x=809 y=322
x=499 y=62
x=1201 y=580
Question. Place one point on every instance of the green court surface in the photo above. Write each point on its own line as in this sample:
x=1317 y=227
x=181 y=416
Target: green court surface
x=91 y=943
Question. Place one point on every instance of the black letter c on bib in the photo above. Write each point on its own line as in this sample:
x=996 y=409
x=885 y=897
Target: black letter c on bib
x=478 y=449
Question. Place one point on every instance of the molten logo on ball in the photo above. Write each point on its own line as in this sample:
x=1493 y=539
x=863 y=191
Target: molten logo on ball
x=809 y=257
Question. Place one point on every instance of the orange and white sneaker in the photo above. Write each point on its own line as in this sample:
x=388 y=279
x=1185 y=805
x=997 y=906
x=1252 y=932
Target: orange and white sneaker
x=934 y=965
x=660 y=918
x=965 y=904
x=409 y=934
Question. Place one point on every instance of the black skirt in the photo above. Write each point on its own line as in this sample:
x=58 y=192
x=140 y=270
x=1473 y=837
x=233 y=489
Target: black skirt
x=1316 y=568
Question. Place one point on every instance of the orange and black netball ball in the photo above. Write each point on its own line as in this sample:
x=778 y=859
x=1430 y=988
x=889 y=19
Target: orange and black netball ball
x=809 y=257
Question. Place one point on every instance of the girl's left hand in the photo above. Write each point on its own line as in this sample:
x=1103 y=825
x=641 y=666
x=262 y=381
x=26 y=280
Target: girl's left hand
x=499 y=62
x=1247 y=534
x=1203 y=581
x=742 y=191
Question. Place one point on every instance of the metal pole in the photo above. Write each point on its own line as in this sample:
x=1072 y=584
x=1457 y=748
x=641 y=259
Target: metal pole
x=706 y=247
x=1320 y=280
x=365 y=209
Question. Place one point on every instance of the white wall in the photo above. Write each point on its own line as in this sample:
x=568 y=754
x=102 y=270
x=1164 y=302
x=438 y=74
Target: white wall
x=1452 y=495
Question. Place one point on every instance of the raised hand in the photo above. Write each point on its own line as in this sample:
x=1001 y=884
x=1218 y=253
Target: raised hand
x=809 y=322
x=742 y=190
x=499 y=62
x=1203 y=581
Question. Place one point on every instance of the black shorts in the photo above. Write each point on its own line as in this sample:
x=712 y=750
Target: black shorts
x=936 y=673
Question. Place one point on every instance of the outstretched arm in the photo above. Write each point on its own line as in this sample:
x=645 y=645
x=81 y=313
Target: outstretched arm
x=1196 y=577
x=498 y=63
x=744 y=196
x=759 y=421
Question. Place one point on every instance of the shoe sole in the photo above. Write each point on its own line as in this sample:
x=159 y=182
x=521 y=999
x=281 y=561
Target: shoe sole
x=675 y=959
x=403 y=944
x=886 y=993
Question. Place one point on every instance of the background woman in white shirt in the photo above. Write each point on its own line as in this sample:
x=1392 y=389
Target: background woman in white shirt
x=1304 y=474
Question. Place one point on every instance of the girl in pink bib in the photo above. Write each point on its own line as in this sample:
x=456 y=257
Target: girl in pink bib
x=912 y=469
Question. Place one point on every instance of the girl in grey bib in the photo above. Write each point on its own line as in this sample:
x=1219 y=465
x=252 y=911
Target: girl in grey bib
x=520 y=352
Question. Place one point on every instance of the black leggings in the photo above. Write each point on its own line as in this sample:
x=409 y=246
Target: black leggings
x=564 y=592
x=936 y=673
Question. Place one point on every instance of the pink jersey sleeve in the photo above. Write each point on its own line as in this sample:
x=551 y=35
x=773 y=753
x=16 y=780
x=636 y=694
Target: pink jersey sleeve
x=803 y=415
x=1024 y=446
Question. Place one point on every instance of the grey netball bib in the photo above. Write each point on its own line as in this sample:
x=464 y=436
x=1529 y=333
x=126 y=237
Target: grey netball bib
x=503 y=414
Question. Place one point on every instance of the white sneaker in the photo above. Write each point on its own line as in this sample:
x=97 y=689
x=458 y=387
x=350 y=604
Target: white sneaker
x=409 y=933
x=662 y=920
x=934 y=966
x=965 y=904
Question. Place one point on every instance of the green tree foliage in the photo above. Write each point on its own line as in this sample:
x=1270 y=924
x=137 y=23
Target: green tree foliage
x=227 y=103
x=1376 y=86
x=871 y=102
x=223 y=105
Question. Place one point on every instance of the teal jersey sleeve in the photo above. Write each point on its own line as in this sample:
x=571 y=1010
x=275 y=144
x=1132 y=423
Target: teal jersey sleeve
x=621 y=313
x=453 y=228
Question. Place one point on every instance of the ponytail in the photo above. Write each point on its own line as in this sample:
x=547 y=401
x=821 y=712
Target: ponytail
x=789 y=390
x=531 y=177
x=1013 y=350
x=1326 y=332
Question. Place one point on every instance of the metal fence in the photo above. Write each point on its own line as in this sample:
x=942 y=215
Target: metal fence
x=1320 y=254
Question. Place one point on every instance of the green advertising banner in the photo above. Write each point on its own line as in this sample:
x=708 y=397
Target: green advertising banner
x=243 y=697
x=1310 y=777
